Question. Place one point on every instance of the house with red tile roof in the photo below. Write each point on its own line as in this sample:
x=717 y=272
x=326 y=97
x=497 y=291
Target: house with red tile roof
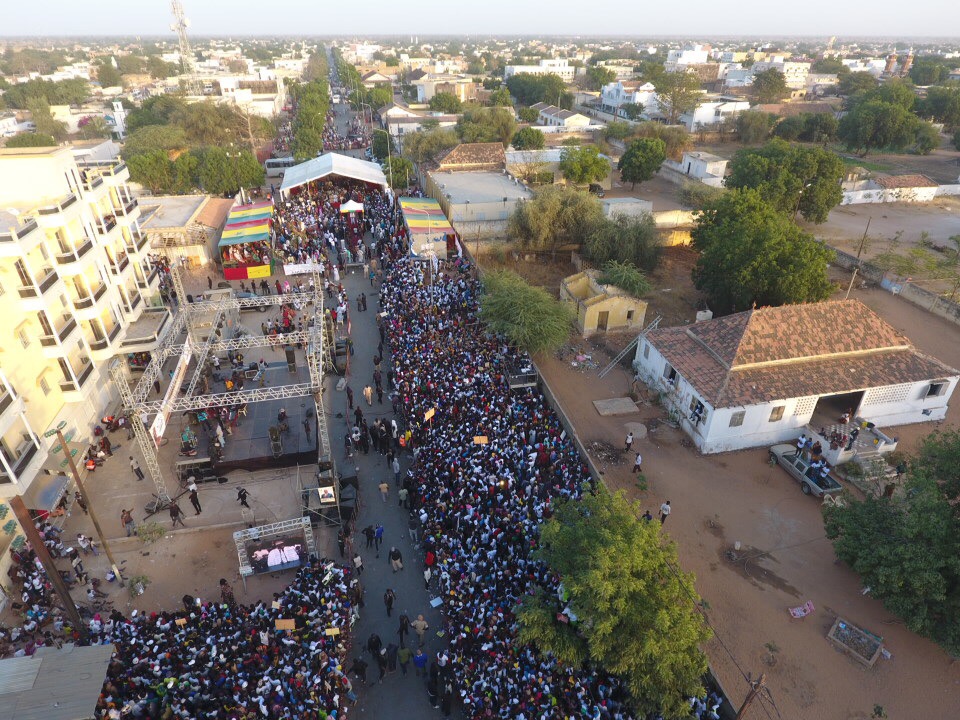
x=760 y=377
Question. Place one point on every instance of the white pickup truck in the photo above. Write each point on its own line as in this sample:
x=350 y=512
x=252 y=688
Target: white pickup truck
x=811 y=482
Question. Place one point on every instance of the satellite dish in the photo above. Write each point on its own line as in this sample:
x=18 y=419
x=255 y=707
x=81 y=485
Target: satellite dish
x=186 y=22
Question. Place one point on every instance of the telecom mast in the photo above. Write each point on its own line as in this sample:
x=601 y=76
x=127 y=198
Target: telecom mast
x=179 y=26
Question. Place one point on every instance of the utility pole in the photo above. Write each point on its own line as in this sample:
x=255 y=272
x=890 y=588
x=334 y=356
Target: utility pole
x=36 y=542
x=856 y=267
x=755 y=687
x=90 y=510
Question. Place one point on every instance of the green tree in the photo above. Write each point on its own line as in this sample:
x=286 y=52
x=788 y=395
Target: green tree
x=629 y=239
x=792 y=178
x=875 y=124
x=676 y=139
x=63 y=92
x=183 y=174
x=159 y=69
x=556 y=216
x=159 y=110
x=379 y=97
x=632 y=111
x=168 y=138
x=428 y=145
x=754 y=126
x=528 y=316
x=531 y=89
x=943 y=105
x=152 y=170
x=677 y=93
x=108 y=75
x=501 y=96
x=626 y=277
x=906 y=548
x=30 y=139
x=382 y=145
x=43 y=119
x=617 y=130
x=486 y=124
x=528 y=115
x=856 y=82
x=819 y=127
x=642 y=160
x=93 y=126
x=926 y=139
x=928 y=71
x=399 y=172
x=583 y=164
x=217 y=172
x=637 y=613
x=528 y=138
x=896 y=91
x=445 y=103
x=597 y=76
x=751 y=253
x=769 y=86
x=829 y=66
x=130 y=64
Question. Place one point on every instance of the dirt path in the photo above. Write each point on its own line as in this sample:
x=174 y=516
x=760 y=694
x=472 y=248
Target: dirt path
x=721 y=499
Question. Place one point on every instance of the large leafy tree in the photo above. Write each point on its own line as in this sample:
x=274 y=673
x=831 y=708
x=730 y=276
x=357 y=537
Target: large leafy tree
x=30 y=139
x=43 y=119
x=62 y=92
x=445 y=103
x=928 y=71
x=943 y=105
x=641 y=160
x=501 y=96
x=107 y=74
x=168 y=138
x=856 y=82
x=875 y=124
x=487 y=124
x=530 y=89
x=769 y=86
x=151 y=169
x=528 y=138
x=428 y=144
x=677 y=93
x=636 y=612
x=751 y=253
x=556 y=216
x=630 y=239
x=399 y=172
x=583 y=164
x=597 y=76
x=528 y=316
x=906 y=548
x=791 y=178
x=754 y=126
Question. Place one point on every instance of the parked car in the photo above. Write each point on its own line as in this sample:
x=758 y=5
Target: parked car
x=595 y=189
x=798 y=467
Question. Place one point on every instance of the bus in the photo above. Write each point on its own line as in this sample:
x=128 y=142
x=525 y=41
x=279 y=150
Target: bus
x=276 y=167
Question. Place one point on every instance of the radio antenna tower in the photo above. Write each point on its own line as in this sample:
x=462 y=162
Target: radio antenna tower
x=179 y=26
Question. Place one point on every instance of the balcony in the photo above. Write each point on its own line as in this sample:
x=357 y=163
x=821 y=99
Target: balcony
x=105 y=168
x=140 y=240
x=69 y=387
x=46 y=282
x=104 y=349
x=20 y=240
x=145 y=333
x=125 y=206
x=52 y=345
x=6 y=400
x=75 y=255
x=88 y=301
x=104 y=227
x=120 y=264
x=59 y=206
x=20 y=464
x=92 y=182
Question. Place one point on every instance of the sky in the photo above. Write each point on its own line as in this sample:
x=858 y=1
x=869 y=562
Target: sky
x=690 y=18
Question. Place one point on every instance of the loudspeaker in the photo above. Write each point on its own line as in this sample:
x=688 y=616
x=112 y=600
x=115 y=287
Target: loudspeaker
x=291 y=359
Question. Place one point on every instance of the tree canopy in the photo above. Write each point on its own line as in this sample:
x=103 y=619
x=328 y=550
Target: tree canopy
x=791 y=178
x=528 y=138
x=857 y=82
x=530 y=89
x=399 y=171
x=752 y=253
x=769 y=86
x=942 y=104
x=629 y=239
x=677 y=93
x=906 y=547
x=486 y=124
x=928 y=71
x=556 y=216
x=583 y=164
x=636 y=612
x=428 y=144
x=876 y=124
x=642 y=159
x=445 y=103
x=501 y=96
x=754 y=126
x=61 y=92
x=597 y=76
x=107 y=74
x=43 y=120
x=30 y=139
x=808 y=127
x=528 y=316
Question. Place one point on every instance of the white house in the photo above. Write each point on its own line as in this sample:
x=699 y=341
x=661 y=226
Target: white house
x=616 y=94
x=698 y=166
x=552 y=116
x=693 y=55
x=431 y=84
x=794 y=72
x=760 y=377
x=713 y=110
x=547 y=66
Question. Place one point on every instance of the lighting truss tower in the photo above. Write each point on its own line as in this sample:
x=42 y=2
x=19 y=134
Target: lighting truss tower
x=179 y=26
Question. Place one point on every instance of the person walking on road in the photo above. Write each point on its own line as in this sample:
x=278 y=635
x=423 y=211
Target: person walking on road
x=135 y=466
x=358 y=564
x=636 y=463
x=176 y=514
x=420 y=626
x=403 y=629
x=420 y=662
x=359 y=669
x=378 y=537
x=195 y=500
x=349 y=397
x=368 y=533
x=388 y=599
x=396 y=559
x=395 y=466
x=665 y=511
x=242 y=497
x=368 y=395
x=628 y=441
x=427 y=574
x=404 y=654
x=126 y=520
x=412 y=527
x=384 y=490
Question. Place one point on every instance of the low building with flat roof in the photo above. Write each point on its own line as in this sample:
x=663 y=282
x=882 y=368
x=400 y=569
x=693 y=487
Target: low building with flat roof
x=478 y=204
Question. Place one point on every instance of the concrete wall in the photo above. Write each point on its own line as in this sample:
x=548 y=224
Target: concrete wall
x=879 y=195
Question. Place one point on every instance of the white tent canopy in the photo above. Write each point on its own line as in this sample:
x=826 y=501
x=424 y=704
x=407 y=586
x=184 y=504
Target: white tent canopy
x=351 y=206
x=333 y=164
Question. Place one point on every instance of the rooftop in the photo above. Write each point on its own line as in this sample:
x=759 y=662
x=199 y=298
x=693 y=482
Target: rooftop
x=473 y=154
x=792 y=351
x=895 y=182
x=479 y=187
x=169 y=211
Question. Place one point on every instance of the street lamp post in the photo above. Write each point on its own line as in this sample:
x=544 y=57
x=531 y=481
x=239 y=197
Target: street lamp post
x=83 y=494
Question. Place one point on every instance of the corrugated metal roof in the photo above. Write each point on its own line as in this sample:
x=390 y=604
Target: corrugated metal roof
x=53 y=684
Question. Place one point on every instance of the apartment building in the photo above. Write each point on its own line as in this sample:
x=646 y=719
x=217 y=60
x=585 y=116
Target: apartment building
x=546 y=66
x=75 y=279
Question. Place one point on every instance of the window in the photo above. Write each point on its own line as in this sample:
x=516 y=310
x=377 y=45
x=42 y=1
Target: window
x=736 y=419
x=776 y=414
x=936 y=389
x=45 y=386
x=646 y=351
x=24 y=338
x=670 y=374
x=629 y=314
